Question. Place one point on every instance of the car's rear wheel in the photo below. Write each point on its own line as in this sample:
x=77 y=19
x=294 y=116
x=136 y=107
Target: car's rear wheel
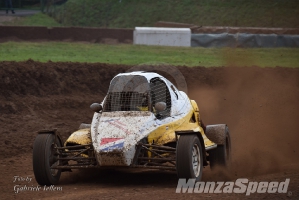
x=189 y=159
x=45 y=157
x=221 y=156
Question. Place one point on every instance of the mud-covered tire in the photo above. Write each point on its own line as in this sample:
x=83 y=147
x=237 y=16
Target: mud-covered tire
x=189 y=159
x=221 y=156
x=44 y=158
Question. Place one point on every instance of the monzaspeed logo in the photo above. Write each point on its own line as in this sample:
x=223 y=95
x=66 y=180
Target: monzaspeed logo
x=241 y=185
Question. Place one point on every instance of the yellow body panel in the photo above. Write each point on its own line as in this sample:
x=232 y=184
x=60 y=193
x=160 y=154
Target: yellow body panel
x=166 y=133
x=162 y=135
x=80 y=137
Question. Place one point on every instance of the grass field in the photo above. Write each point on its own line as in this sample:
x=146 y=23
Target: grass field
x=131 y=13
x=138 y=54
x=39 y=19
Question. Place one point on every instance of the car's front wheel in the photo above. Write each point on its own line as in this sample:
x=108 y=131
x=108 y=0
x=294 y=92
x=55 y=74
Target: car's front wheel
x=189 y=159
x=45 y=157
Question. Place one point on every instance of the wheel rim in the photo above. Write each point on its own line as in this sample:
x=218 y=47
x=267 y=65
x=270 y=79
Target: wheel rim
x=196 y=160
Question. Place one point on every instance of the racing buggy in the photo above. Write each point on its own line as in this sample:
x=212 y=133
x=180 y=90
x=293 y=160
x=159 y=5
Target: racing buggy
x=144 y=121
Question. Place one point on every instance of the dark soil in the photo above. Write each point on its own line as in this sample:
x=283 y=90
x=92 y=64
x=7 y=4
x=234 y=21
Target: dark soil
x=260 y=106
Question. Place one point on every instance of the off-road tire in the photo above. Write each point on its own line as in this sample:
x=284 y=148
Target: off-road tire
x=187 y=147
x=221 y=156
x=43 y=158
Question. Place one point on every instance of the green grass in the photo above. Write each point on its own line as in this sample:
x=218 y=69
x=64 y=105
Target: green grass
x=38 y=19
x=131 y=13
x=137 y=54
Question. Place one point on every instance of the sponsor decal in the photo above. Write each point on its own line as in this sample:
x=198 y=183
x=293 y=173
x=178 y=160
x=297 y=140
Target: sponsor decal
x=118 y=124
x=109 y=144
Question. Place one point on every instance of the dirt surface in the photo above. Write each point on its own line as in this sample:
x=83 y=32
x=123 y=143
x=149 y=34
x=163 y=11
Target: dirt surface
x=260 y=106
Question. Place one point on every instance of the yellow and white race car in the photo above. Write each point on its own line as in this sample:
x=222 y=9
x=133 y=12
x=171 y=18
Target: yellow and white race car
x=143 y=122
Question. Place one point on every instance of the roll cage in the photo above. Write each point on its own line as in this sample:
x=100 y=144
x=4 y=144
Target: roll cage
x=135 y=93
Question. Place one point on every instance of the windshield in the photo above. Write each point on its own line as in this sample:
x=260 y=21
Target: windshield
x=126 y=101
x=127 y=93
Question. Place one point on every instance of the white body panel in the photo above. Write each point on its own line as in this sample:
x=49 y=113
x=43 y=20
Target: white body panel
x=115 y=134
x=162 y=36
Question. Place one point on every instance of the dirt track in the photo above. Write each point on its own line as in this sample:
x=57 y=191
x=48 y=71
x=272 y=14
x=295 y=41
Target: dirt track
x=260 y=106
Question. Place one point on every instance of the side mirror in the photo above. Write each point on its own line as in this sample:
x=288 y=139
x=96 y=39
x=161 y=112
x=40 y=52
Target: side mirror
x=96 y=107
x=160 y=106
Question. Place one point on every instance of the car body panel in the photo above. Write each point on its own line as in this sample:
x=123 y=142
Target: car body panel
x=114 y=135
x=81 y=137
